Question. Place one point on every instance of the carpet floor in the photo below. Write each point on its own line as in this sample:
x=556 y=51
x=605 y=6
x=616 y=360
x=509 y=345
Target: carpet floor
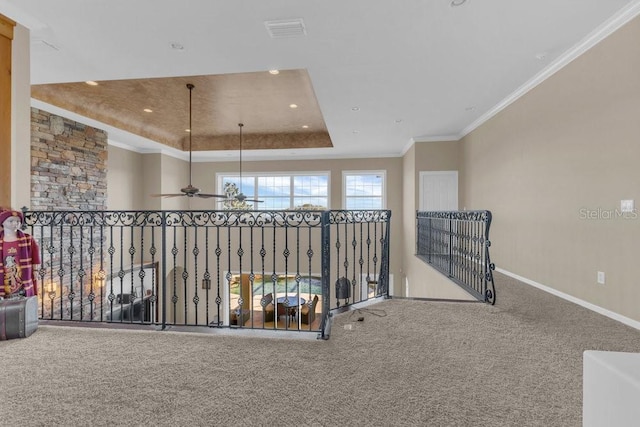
x=406 y=363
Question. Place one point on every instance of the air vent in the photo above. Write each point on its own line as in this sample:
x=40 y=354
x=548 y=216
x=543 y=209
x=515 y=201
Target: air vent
x=286 y=28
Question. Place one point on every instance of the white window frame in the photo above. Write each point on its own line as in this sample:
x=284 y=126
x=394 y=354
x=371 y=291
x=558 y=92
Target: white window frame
x=346 y=173
x=256 y=175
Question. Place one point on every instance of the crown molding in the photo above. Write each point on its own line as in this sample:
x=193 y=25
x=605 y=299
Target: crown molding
x=608 y=27
x=426 y=138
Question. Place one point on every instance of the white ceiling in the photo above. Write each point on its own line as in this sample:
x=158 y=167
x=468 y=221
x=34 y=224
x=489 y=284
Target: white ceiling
x=418 y=70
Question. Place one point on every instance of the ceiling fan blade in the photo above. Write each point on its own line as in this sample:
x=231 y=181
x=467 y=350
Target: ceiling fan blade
x=206 y=196
x=168 y=195
x=244 y=200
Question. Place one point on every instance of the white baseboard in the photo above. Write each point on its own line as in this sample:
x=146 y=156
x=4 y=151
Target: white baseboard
x=610 y=314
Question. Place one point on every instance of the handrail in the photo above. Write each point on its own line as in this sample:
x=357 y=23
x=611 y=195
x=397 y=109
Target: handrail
x=197 y=254
x=456 y=243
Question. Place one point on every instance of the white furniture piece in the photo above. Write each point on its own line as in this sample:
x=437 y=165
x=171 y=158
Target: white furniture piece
x=611 y=389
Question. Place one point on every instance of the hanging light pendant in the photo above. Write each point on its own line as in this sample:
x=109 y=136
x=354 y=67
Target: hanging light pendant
x=190 y=190
x=240 y=197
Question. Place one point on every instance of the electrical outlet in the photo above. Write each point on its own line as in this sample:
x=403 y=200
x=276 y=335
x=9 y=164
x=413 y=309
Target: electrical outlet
x=601 y=277
x=627 y=205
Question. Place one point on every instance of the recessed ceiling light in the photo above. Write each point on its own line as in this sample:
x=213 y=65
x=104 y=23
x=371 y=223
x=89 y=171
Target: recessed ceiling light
x=274 y=72
x=148 y=110
x=176 y=46
x=91 y=83
x=456 y=3
x=293 y=105
x=305 y=126
x=355 y=108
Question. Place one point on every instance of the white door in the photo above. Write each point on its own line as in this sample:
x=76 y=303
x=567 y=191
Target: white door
x=439 y=191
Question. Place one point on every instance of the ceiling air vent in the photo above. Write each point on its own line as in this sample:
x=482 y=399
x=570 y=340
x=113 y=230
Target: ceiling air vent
x=286 y=28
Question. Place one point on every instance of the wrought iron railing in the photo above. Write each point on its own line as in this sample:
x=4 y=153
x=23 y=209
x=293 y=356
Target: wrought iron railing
x=239 y=269
x=457 y=244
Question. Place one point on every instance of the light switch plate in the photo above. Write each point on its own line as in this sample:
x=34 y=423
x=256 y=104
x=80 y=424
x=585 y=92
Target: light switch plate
x=626 y=205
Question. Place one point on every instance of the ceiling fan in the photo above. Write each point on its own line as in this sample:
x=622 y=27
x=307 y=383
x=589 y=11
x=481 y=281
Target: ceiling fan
x=190 y=190
x=240 y=197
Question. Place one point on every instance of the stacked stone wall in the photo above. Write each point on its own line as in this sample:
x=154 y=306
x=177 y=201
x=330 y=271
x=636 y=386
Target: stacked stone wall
x=68 y=164
x=68 y=172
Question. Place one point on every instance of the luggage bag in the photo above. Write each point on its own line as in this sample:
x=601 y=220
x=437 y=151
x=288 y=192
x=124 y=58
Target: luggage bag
x=18 y=317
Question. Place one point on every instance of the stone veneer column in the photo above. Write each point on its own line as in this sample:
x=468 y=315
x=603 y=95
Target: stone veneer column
x=68 y=164
x=69 y=172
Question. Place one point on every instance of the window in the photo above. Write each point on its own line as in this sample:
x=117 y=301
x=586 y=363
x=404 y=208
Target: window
x=363 y=189
x=277 y=191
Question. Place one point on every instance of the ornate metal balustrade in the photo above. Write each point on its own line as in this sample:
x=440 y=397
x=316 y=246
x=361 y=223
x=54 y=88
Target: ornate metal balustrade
x=239 y=269
x=457 y=244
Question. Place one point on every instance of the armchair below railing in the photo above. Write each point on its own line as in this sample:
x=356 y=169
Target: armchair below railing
x=456 y=243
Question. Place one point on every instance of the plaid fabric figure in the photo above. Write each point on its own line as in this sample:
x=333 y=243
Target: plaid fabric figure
x=17 y=257
x=16 y=272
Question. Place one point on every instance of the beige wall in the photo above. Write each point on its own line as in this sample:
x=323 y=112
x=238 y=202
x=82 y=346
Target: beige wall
x=206 y=174
x=432 y=157
x=160 y=174
x=21 y=119
x=151 y=181
x=411 y=266
x=567 y=149
x=419 y=279
x=124 y=168
x=174 y=175
x=132 y=177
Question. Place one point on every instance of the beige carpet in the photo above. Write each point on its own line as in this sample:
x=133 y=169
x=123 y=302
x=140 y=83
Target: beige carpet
x=407 y=363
